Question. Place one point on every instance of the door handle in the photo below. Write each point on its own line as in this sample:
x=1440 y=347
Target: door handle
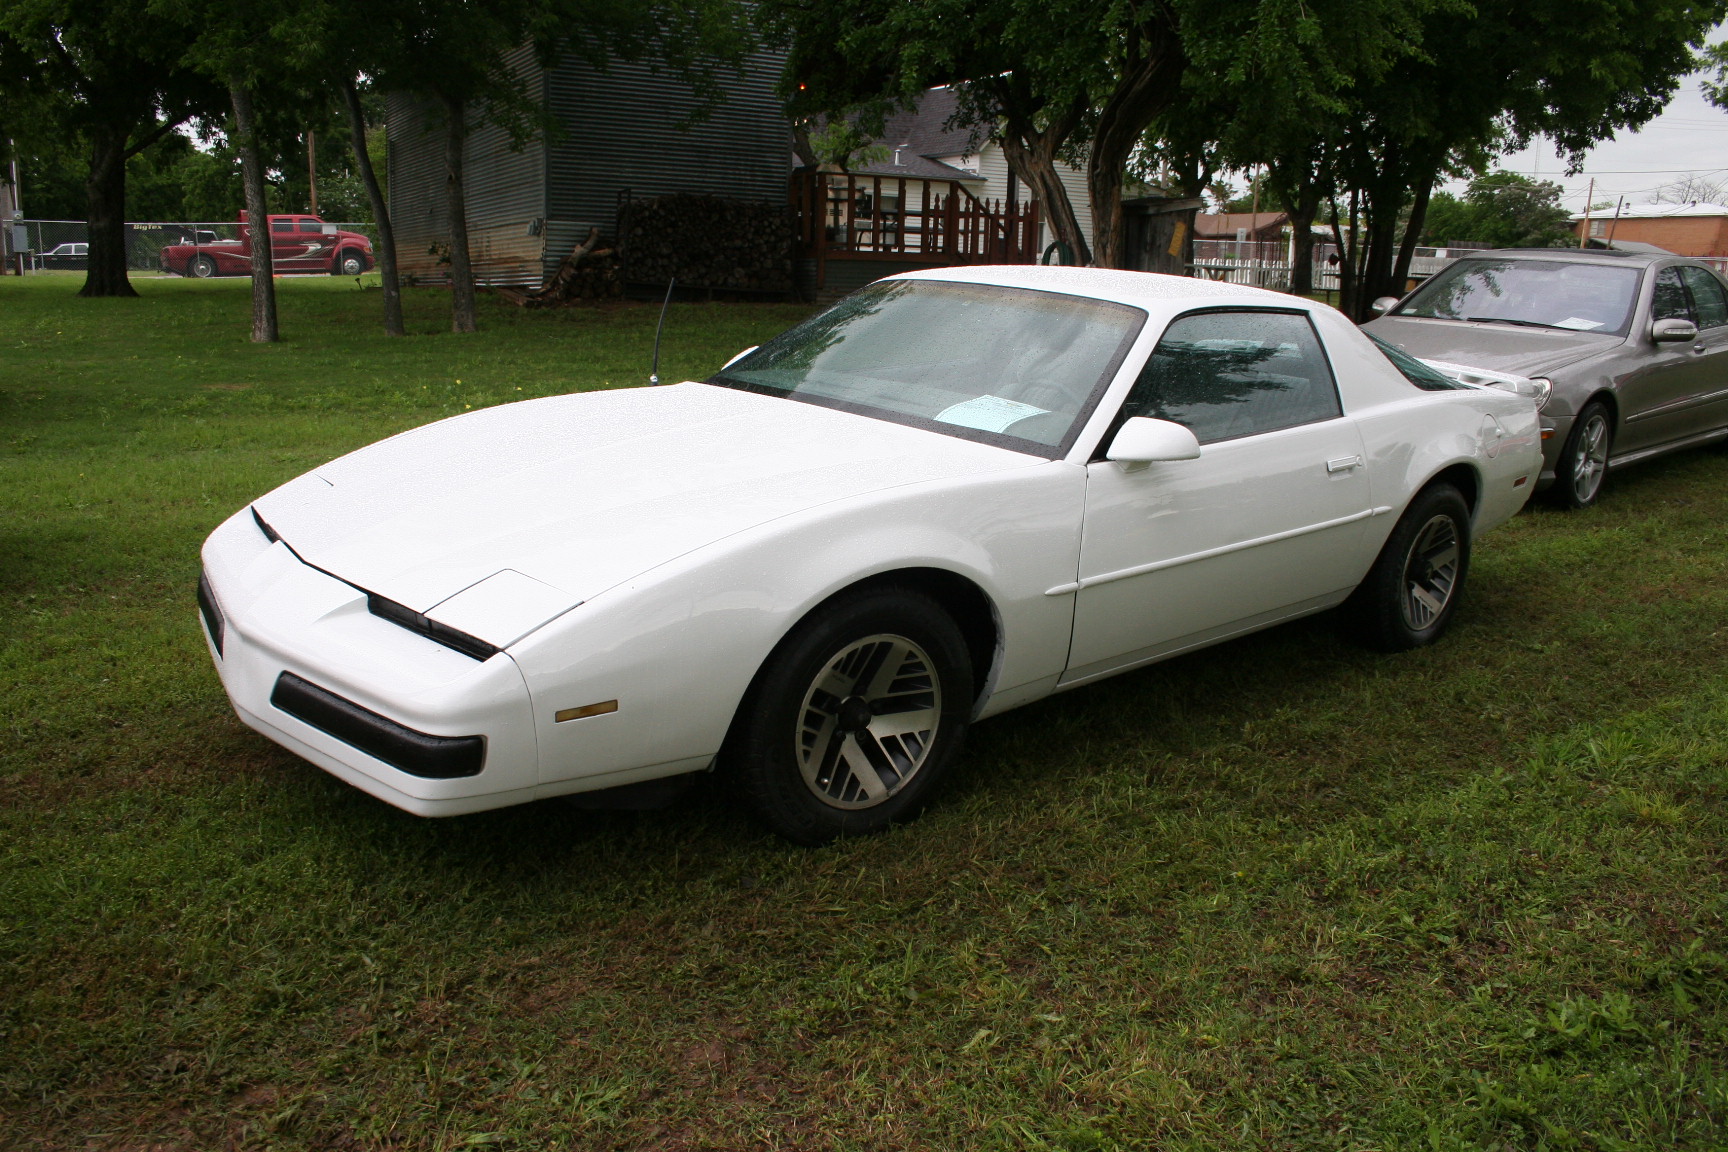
x=1344 y=465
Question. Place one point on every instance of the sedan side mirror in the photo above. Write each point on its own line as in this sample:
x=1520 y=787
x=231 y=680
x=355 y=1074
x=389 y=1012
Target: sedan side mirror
x=1143 y=440
x=1673 y=331
x=1383 y=305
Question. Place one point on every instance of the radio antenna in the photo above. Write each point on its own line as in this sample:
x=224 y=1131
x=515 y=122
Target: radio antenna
x=654 y=375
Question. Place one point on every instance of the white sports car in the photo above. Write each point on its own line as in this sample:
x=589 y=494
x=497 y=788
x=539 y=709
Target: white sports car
x=955 y=492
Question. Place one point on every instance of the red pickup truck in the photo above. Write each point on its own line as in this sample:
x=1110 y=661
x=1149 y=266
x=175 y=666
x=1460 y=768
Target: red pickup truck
x=297 y=244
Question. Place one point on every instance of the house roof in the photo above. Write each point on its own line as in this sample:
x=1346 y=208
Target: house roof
x=1629 y=246
x=915 y=167
x=1656 y=211
x=920 y=137
x=1224 y=225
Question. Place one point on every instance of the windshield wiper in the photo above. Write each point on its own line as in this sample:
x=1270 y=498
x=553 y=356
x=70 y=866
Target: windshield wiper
x=1509 y=320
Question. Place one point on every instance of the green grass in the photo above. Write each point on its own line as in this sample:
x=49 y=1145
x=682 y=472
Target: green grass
x=1283 y=894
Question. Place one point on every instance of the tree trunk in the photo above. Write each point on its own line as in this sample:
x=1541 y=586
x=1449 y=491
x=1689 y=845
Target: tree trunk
x=1030 y=158
x=380 y=211
x=1031 y=154
x=105 y=202
x=1302 y=210
x=1413 y=231
x=1147 y=87
x=264 y=328
x=462 y=317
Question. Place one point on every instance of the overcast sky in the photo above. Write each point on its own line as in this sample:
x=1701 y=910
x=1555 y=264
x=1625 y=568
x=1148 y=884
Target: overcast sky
x=1689 y=138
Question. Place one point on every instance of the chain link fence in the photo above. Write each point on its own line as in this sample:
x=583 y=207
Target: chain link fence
x=61 y=245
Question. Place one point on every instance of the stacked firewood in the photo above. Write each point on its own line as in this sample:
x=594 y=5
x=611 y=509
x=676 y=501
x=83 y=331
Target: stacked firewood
x=708 y=242
x=589 y=273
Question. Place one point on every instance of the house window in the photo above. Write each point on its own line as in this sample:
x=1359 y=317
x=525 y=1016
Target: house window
x=1598 y=227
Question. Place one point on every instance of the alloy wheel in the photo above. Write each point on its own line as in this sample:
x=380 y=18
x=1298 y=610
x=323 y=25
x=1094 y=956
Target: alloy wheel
x=1430 y=572
x=868 y=722
x=1590 y=464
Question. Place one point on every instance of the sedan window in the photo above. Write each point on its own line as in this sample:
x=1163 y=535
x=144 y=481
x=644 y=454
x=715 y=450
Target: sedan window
x=1007 y=366
x=1670 y=301
x=1707 y=297
x=1529 y=292
x=1230 y=374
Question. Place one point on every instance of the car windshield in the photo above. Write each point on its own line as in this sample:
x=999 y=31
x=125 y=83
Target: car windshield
x=1531 y=293
x=1007 y=366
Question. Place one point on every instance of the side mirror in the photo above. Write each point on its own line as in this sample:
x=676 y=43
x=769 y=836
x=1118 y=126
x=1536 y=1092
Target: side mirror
x=1383 y=305
x=739 y=357
x=1143 y=440
x=1673 y=331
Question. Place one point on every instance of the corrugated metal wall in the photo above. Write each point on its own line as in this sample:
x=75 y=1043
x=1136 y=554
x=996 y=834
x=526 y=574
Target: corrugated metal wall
x=506 y=191
x=623 y=130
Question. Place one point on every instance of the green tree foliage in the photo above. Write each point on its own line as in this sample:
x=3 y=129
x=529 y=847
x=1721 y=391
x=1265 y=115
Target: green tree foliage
x=1501 y=210
x=112 y=75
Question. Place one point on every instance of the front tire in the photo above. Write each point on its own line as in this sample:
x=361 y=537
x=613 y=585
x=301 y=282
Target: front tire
x=350 y=264
x=201 y=267
x=1583 y=463
x=1409 y=595
x=854 y=717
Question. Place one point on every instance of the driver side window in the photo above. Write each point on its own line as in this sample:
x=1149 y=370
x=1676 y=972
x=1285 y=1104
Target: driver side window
x=1231 y=374
x=1670 y=301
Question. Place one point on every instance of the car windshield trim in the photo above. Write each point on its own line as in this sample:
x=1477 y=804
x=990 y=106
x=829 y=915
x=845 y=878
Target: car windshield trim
x=1553 y=293
x=1071 y=345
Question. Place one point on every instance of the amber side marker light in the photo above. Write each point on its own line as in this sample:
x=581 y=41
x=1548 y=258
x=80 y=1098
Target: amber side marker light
x=599 y=709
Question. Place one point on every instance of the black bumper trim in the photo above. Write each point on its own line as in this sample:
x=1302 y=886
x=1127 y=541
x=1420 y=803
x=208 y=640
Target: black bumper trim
x=416 y=753
x=212 y=614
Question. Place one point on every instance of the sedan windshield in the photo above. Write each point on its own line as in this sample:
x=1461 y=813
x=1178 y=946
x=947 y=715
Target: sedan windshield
x=1006 y=366
x=1531 y=293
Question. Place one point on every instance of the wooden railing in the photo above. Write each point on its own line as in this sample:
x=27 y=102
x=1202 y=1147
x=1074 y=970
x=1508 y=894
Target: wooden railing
x=842 y=216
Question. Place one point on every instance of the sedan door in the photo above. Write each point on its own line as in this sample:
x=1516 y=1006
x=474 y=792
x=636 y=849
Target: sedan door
x=1269 y=522
x=1678 y=389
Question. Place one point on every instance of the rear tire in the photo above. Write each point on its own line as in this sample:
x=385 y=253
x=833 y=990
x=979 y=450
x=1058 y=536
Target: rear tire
x=201 y=267
x=1583 y=463
x=854 y=717
x=1409 y=595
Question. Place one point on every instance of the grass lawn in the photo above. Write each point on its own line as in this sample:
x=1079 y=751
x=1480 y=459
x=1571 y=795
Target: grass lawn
x=1283 y=894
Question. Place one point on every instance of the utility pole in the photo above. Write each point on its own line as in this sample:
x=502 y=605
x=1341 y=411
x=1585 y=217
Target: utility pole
x=312 y=168
x=1584 y=232
x=1615 y=223
x=11 y=211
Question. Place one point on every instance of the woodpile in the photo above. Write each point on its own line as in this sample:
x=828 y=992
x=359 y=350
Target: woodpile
x=588 y=274
x=708 y=242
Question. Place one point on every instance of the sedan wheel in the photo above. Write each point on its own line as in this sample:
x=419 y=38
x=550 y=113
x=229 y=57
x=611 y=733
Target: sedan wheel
x=1583 y=463
x=202 y=267
x=1408 y=597
x=854 y=717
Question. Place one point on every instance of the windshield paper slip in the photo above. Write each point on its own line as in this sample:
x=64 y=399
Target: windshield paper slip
x=987 y=413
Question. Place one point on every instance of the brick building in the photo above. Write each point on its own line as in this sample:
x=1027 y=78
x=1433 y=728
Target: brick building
x=1684 y=229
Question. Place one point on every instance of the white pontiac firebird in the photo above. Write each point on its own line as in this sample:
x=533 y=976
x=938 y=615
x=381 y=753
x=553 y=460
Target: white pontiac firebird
x=955 y=492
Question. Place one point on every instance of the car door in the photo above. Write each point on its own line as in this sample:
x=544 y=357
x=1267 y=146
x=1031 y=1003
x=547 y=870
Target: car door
x=1656 y=396
x=1708 y=409
x=288 y=245
x=1269 y=522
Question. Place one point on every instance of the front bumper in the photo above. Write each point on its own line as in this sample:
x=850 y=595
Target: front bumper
x=398 y=715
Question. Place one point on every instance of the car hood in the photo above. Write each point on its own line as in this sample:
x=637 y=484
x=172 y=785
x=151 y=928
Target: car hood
x=552 y=501
x=1501 y=347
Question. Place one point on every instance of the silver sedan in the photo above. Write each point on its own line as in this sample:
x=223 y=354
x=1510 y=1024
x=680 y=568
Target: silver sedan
x=1631 y=348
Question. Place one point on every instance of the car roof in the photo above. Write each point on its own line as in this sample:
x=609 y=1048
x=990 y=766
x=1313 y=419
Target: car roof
x=1577 y=255
x=1149 y=290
